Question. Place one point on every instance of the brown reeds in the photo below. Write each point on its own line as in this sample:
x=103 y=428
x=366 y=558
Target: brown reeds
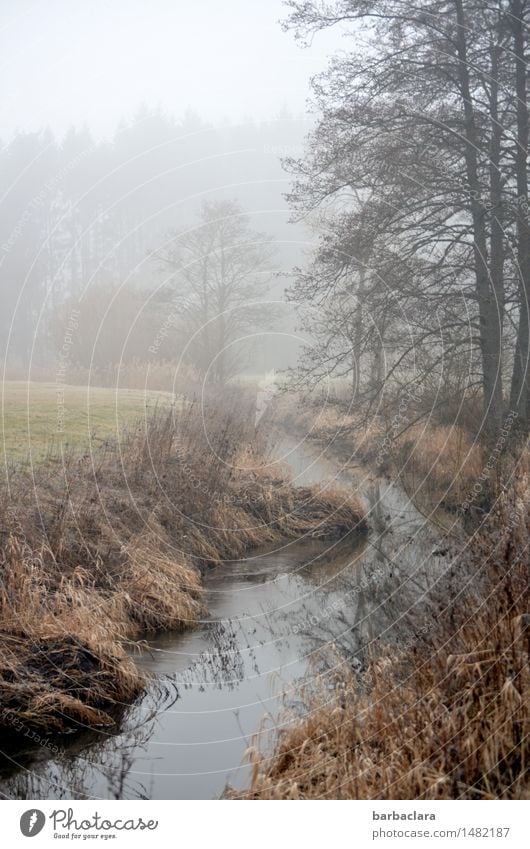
x=438 y=464
x=99 y=548
x=446 y=717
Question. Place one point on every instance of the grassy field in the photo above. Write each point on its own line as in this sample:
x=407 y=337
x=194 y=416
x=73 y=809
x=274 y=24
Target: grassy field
x=37 y=416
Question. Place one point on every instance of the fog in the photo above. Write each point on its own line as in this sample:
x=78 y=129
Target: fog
x=265 y=341
x=77 y=63
x=119 y=121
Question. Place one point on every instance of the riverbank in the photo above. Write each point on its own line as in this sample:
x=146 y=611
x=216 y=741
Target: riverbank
x=100 y=548
x=436 y=464
x=280 y=613
x=443 y=715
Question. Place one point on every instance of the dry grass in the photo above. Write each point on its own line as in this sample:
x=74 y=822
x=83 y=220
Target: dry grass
x=59 y=661
x=438 y=464
x=99 y=548
x=446 y=718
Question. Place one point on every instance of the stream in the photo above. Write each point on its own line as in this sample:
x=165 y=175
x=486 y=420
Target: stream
x=279 y=618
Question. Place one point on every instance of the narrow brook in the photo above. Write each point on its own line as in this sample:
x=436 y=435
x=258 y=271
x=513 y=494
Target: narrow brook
x=276 y=618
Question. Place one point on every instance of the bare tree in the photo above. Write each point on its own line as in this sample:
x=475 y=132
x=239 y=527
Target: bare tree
x=426 y=129
x=218 y=281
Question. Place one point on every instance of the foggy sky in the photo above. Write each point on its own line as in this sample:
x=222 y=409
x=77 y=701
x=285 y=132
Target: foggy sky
x=75 y=62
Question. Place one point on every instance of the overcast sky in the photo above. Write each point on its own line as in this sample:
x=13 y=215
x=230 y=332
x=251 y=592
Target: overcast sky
x=67 y=62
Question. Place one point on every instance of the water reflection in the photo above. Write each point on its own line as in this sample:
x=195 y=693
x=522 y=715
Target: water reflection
x=278 y=618
x=91 y=763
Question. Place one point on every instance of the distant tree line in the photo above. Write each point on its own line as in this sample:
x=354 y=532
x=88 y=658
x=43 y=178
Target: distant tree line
x=83 y=221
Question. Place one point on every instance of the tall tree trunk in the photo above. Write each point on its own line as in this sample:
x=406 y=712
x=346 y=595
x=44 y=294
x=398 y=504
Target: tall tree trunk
x=496 y=265
x=520 y=389
x=358 y=331
x=490 y=320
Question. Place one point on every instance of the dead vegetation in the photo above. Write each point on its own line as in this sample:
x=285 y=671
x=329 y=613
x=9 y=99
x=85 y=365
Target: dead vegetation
x=98 y=548
x=446 y=717
x=437 y=463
